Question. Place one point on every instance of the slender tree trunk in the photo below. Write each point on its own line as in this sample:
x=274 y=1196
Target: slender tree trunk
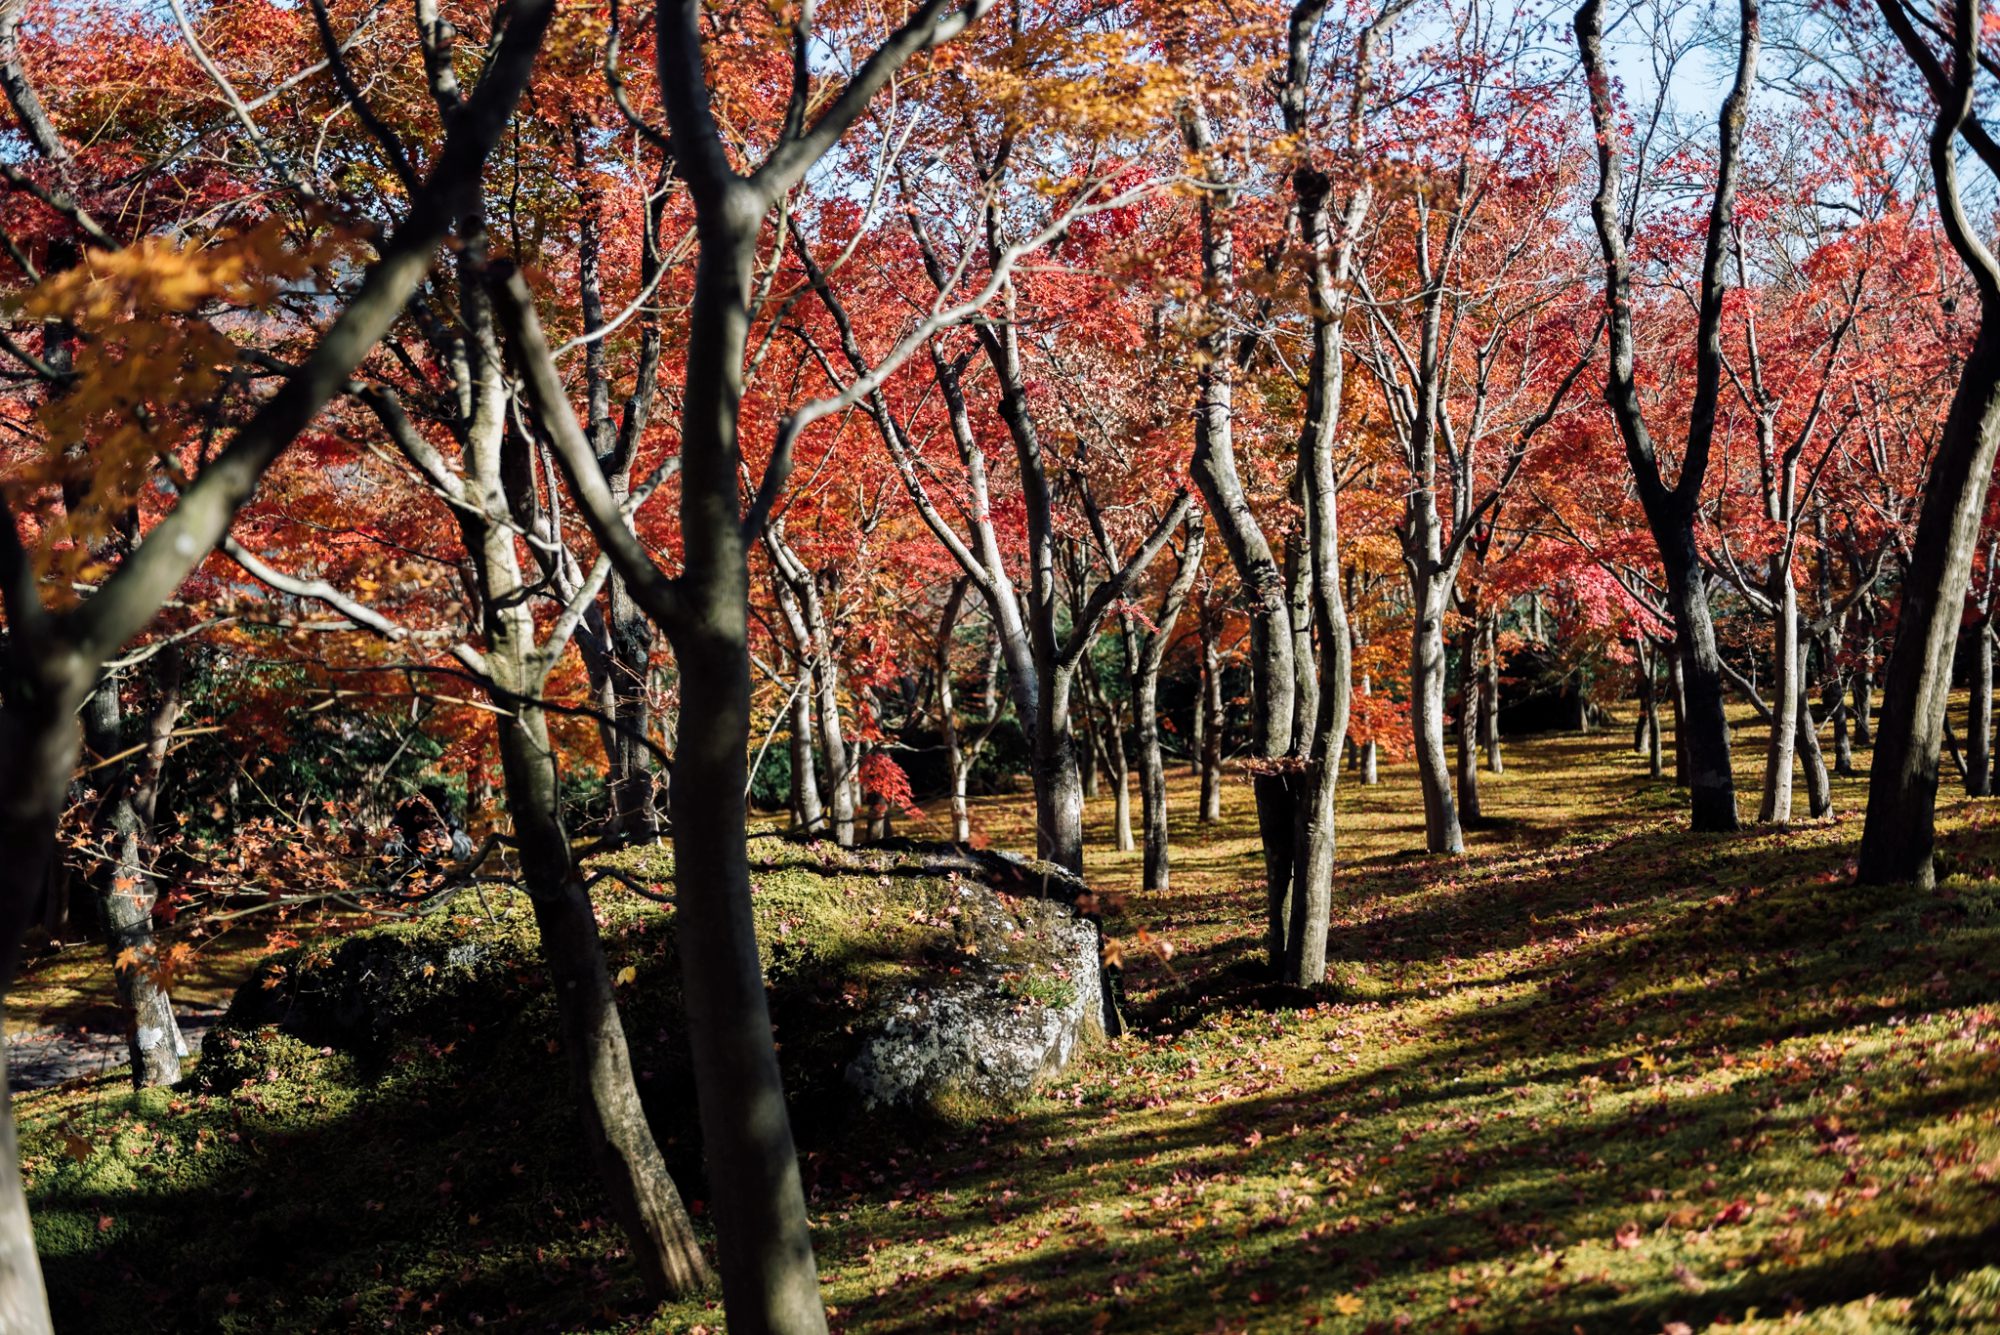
x=39 y=738
x=842 y=764
x=642 y=1195
x=1864 y=692
x=1677 y=679
x=1470 y=676
x=1427 y=701
x=1819 y=787
x=1899 y=834
x=126 y=897
x=769 y=1280
x=634 y=807
x=1152 y=777
x=1489 y=700
x=1656 y=762
x=1786 y=657
x=1981 y=710
x=1087 y=753
x=1264 y=591
x=1209 y=709
x=1833 y=694
x=1121 y=789
x=956 y=761
x=807 y=813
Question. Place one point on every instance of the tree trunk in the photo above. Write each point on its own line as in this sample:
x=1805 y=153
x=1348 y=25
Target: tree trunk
x=1656 y=764
x=1121 y=797
x=1269 y=607
x=1833 y=697
x=1979 y=713
x=1864 y=693
x=956 y=761
x=634 y=808
x=1152 y=777
x=1489 y=700
x=1787 y=656
x=842 y=764
x=1427 y=700
x=770 y=1283
x=38 y=735
x=1711 y=782
x=1209 y=709
x=1898 y=836
x=1470 y=675
x=1819 y=787
x=1059 y=789
x=642 y=1195
x=1677 y=681
x=808 y=816
x=127 y=895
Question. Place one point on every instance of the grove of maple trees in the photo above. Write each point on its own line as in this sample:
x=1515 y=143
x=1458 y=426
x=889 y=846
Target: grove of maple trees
x=448 y=444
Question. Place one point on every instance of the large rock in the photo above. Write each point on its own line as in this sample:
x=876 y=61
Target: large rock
x=1028 y=996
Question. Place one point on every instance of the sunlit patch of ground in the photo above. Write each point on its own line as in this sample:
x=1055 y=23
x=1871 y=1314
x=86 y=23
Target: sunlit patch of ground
x=1599 y=1074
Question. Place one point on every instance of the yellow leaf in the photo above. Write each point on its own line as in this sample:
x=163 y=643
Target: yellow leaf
x=1348 y=1304
x=628 y=974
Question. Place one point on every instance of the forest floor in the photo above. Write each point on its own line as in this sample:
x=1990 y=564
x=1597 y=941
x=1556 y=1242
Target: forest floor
x=1599 y=1074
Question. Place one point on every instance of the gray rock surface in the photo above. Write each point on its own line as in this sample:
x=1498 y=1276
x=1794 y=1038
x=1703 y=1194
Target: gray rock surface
x=1017 y=1012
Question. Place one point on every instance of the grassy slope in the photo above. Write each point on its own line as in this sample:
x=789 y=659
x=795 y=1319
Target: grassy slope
x=1597 y=1075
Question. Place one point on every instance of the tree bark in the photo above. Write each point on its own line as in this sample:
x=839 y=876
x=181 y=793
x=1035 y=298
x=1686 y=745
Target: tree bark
x=769 y=1280
x=1979 y=722
x=1899 y=833
x=126 y=896
x=1145 y=651
x=1470 y=676
x=1209 y=710
x=1819 y=787
x=1677 y=680
x=640 y=1191
x=1787 y=658
x=1427 y=701
x=1489 y=700
x=807 y=815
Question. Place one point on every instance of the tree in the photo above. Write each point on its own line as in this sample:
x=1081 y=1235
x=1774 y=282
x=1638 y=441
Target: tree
x=1899 y=832
x=1671 y=511
x=55 y=652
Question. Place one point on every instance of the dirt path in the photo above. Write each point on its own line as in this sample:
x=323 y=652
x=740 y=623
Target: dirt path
x=38 y=1058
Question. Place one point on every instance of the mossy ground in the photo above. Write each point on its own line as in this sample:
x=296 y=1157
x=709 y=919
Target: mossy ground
x=1597 y=1075
x=420 y=1165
